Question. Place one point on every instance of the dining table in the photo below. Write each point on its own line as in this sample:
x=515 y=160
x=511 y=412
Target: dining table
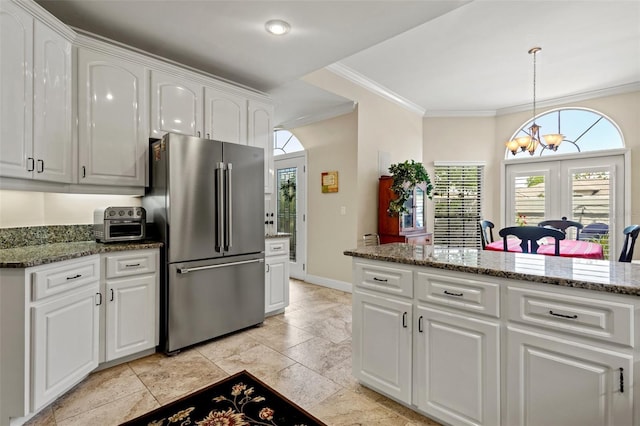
x=568 y=248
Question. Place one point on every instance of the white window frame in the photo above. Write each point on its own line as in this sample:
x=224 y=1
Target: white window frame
x=624 y=178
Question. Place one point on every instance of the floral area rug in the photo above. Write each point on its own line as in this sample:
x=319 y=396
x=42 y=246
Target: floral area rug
x=238 y=400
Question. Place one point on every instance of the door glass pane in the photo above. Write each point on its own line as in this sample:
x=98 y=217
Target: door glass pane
x=419 y=208
x=591 y=206
x=529 y=195
x=407 y=218
x=287 y=200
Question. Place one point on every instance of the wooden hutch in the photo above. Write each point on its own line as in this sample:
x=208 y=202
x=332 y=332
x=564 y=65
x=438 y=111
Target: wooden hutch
x=407 y=227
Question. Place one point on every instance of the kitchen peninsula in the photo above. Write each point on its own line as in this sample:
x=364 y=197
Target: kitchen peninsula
x=475 y=337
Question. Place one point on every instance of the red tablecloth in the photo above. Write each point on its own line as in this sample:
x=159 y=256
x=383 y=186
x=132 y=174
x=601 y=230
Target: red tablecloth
x=568 y=248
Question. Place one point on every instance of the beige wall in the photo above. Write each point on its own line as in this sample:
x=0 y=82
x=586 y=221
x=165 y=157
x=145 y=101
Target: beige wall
x=382 y=126
x=331 y=146
x=487 y=137
x=22 y=208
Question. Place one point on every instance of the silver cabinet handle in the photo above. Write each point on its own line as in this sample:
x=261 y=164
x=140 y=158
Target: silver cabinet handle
x=222 y=265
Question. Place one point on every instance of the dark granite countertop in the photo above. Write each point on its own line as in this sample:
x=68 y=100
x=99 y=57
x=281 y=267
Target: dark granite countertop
x=34 y=255
x=600 y=275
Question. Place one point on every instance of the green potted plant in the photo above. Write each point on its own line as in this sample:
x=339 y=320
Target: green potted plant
x=406 y=176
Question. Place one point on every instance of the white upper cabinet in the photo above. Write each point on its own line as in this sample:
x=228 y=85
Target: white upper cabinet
x=225 y=116
x=16 y=90
x=176 y=105
x=112 y=111
x=52 y=141
x=35 y=86
x=261 y=135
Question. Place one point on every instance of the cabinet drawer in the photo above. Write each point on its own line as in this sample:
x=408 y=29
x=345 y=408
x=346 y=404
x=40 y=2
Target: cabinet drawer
x=275 y=247
x=134 y=262
x=462 y=293
x=398 y=281
x=62 y=276
x=599 y=319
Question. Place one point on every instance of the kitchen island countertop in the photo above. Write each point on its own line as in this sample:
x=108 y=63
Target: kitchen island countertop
x=599 y=275
x=34 y=255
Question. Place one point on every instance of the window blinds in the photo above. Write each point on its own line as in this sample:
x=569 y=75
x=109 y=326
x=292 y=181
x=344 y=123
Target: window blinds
x=457 y=198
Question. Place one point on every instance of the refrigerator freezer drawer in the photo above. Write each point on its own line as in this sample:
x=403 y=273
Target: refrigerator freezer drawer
x=207 y=299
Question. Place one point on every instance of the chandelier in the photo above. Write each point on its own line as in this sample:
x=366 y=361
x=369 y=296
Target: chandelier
x=531 y=141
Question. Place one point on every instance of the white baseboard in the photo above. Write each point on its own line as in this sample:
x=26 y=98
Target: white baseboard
x=328 y=282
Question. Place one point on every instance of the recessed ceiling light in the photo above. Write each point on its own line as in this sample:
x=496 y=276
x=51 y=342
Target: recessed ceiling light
x=277 y=27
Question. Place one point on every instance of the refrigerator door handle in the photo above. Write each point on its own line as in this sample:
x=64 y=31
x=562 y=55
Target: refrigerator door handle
x=221 y=265
x=229 y=208
x=220 y=207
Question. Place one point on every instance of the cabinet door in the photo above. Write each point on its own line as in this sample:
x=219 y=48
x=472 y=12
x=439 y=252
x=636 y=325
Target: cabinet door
x=16 y=89
x=65 y=343
x=457 y=367
x=112 y=110
x=52 y=106
x=276 y=283
x=260 y=127
x=176 y=105
x=382 y=344
x=130 y=317
x=225 y=116
x=553 y=382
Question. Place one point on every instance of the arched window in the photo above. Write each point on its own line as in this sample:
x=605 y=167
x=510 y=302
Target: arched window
x=284 y=142
x=583 y=180
x=583 y=129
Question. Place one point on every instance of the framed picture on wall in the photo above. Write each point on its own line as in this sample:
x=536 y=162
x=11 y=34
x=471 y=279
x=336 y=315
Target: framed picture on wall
x=329 y=182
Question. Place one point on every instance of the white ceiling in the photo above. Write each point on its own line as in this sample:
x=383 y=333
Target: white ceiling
x=443 y=57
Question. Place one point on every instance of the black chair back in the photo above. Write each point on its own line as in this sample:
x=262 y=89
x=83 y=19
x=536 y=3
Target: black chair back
x=529 y=236
x=630 y=235
x=594 y=230
x=562 y=225
x=486 y=232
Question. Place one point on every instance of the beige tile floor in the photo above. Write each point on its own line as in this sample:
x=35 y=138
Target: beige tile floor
x=304 y=353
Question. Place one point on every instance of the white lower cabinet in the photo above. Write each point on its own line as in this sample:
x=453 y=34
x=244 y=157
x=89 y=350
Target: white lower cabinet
x=131 y=305
x=382 y=344
x=59 y=321
x=276 y=275
x=554 y=381
x=479 y=350
x=457 y=367
x=64 y=327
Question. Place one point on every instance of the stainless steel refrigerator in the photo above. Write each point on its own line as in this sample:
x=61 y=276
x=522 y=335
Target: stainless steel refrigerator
x=206 y=201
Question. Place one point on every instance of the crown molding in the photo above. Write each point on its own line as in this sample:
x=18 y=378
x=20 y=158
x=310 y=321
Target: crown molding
x=578 y=97
x=453 y=113
x=359 y=79
x=159 y=63
x=46 y=18
x=327 y=114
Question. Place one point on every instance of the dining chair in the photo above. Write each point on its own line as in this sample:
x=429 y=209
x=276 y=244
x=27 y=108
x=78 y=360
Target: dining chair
x=630 y=235
x=530 y=235
x=486 y=232
x=594 y=230
x=562 y=225
x=371 y=240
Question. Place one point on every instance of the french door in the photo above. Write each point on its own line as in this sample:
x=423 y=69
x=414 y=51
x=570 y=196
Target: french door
x=587 y=190
x=291 y=187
